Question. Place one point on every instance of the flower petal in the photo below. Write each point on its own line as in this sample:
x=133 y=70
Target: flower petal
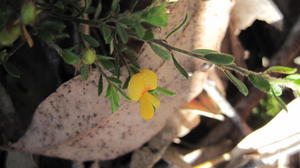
x=136 y=87
x=152 y=99
x=150 y=79
x=146 y=108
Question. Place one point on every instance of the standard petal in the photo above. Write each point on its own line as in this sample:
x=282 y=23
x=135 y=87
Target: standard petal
x=152 y=99
x=136 y=87
x=146 y=108
x=150 y=79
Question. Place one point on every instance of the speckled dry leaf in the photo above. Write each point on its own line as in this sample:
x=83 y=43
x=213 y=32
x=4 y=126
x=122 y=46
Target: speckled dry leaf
x=75 y=123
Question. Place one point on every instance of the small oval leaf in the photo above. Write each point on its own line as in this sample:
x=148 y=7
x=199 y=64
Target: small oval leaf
x=297 y=82
x=106 y=33
x=125 y=85
x=180 y=68
x=204 y=51
x=279 y=101
x=281 y=70
x=69 y=57
x=238 y=83
x=91 y=40
x=114 y=80
x=221 y=59
x=122 y=33
x=165 y=91
x=100 y=85
x=276 y=89
x=148 y=35
x=84 y=72
x=259 y=82
x=103 y=57
x=293 y=77
x=164 y=54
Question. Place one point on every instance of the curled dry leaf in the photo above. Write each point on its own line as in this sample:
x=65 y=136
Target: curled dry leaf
x=75 y=123
x=268 y=145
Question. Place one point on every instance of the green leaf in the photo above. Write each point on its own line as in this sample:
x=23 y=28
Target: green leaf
x=115 y=6
x=111 y=46
x=221 y=59
x=114 y=80
x=11 y=70
x=125 y=85
x=165 y=91
x=91 y=40
x=135 y=24
x=123 y=93
x=183 y=23
x=297 y=82
x=260 y=82
x=204 y=51
x=28 y=12
x=164 y=54
x=102 y=57
x=130 y=52
x=276 y=89
x=281 y=70
x=100 y=85
x=106 y=33
x=109 y=90
x=84 y=72
x=70 y=57
x=238 y=83
x=139 y=29
x=122 y=33
x=293 y=77
x=107 y=64
x=148 y=35
x=180 y=68
x=157 y=16
x=280 y=101
x=114 y=98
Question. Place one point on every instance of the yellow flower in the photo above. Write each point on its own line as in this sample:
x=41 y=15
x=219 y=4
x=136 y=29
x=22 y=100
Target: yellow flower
x=138 y=88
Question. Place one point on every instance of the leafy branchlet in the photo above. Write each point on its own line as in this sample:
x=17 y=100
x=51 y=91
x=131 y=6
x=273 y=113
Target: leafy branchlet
x=106 y=46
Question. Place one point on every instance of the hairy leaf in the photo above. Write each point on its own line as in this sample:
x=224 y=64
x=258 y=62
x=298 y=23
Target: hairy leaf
x=221 y=59
x=84 y=72
x=157 y=16
x=281 y=69
x=100 y=85
x=238 y=83
x=122 y=33
x=165 y=91
x=180 y=68
x=163 y=53
x=106 y=33
x=70 y=57
x=204 y=51
x=279 y=101
x=91 y=40
x=260 y=82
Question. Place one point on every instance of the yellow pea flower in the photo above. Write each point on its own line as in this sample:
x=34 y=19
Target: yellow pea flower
x=138 y=88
